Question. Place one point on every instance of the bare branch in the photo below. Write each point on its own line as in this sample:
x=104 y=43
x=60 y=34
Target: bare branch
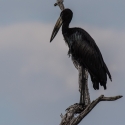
x=70 y=119
x=60 y=4
x=111 y=98
x=92 y=105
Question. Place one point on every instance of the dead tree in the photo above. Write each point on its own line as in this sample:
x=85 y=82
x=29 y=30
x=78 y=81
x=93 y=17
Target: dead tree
x=81 y=111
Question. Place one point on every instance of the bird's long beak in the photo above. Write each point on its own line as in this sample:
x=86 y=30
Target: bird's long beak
x=56 y=28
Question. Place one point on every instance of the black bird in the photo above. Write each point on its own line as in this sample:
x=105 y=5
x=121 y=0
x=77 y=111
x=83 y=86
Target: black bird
x=82 y=49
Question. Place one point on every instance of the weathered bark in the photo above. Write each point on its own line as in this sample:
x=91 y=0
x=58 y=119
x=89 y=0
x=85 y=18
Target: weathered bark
x=70 y=119
x=60 y=4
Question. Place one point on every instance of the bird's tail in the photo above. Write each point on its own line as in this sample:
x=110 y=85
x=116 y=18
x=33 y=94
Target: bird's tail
x=95 y=82
x=107 y=71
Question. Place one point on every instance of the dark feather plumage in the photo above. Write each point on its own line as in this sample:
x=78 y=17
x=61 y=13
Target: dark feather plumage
x=86 y=53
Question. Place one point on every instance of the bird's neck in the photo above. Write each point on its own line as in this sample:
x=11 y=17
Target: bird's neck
x=65 y=26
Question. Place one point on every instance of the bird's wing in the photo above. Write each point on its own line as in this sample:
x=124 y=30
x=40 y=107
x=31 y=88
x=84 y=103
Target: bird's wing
x=84 y=49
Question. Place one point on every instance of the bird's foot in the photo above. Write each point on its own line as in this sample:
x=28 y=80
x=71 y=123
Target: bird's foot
x=82 y=105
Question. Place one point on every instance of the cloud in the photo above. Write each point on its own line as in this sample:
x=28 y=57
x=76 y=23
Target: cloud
x=31 y=64
x=36 y=73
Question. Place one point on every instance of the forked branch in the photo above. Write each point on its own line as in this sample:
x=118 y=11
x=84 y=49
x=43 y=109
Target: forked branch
x=70 y=119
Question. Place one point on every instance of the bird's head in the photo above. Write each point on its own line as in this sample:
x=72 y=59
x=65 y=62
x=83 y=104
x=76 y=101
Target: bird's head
x=66 y=15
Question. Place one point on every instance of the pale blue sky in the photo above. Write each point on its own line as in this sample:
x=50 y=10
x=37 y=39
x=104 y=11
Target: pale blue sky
x=99 y=13
x=37 y=79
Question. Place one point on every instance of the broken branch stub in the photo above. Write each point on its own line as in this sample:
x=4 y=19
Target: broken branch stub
x=60 y=4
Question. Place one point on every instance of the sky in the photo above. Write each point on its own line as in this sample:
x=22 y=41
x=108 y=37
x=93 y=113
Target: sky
x=38 y=80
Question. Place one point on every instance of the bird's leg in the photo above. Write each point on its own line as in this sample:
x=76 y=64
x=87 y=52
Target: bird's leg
x=82 y=96
x=85 y=96
x=82 y=81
